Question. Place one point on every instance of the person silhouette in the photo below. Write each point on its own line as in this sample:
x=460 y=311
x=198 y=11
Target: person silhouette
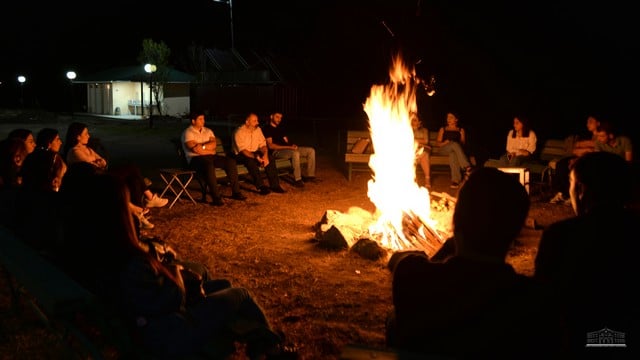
x=473 y=303
x=590 y=260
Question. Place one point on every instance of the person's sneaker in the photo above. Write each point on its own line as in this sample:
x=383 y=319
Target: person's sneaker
x=157 y=201
x=264 y=190
x=454 y=185
x=238 y=196
x=298 y=183
x=557 y=199
x=145 y=223
x=278 y=189
x=217 y=201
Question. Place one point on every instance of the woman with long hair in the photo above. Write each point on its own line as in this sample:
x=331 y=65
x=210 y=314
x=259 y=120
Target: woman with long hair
x=521 y=143
x=104 y=253
x=77 y=149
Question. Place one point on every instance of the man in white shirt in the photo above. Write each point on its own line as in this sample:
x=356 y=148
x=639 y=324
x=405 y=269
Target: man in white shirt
x=250 y=148
x=199 y=145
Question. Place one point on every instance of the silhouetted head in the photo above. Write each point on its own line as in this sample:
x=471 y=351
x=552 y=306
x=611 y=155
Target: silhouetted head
x=26 y=136
x=46 y=137
x=600 y=180
x=489 y=214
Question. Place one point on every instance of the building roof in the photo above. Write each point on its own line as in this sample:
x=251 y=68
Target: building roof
x=132 y=73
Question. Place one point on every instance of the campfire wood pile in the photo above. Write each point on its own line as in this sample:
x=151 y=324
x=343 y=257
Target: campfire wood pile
x=350 y=231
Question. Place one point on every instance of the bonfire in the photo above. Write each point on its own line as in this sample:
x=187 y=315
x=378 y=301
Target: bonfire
x=406 y=218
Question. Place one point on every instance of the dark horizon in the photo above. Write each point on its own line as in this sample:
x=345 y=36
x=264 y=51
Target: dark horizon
x=556 y=63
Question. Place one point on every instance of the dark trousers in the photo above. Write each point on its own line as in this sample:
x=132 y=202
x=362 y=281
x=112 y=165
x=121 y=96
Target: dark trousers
x=205 y=167
x=253 y=166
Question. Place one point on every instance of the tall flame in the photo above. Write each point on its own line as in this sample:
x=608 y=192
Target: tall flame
x=393 y=189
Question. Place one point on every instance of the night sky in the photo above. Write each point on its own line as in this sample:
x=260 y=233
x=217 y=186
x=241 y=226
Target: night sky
x=553 y=61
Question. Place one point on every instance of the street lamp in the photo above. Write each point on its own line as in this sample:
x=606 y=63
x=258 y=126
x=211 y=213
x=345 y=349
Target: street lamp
x=21 y=80
x=150 y=68
x=71 y=75
x=230 y=3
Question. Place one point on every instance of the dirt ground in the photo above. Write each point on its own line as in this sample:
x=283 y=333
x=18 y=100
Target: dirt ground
x=320 y=299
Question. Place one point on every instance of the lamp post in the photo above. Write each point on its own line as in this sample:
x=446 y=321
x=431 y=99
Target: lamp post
x=71 y=75
x=150 y=68
x=230 y=3
x=21 y=80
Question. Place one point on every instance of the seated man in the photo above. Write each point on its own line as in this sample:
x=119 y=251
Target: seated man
x=590 y=260
x=474 y=305
x=608 y=140
x=281 y=148
x=199 y=144
x=250 y=148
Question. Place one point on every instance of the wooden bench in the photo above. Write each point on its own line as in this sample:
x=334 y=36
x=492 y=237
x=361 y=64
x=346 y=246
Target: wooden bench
x=357 y=162
x=56 y=298
x=223 y=147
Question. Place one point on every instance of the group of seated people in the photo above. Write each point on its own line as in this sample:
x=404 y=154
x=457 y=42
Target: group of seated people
x=81 y=215
x=467 y=302
x=34 y=168
x=520 y=150
x=254 y=147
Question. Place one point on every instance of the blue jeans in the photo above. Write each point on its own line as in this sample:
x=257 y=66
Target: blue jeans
x=457 y=159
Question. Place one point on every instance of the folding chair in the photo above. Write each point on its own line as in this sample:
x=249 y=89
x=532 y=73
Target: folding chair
x=177 y=181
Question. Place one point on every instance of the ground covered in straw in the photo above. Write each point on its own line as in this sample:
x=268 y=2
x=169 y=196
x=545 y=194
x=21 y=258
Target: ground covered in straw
x=321 y=299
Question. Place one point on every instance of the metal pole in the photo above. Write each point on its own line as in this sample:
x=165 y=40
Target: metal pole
x=150 y=99
x=231 y=22
x=71 y=87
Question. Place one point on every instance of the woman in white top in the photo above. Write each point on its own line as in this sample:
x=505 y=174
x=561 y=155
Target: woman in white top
x=521 y=143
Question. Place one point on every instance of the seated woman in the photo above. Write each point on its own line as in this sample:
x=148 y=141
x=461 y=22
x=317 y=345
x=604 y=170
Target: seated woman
x=12 y=155
x=149 y=295
x=521 y=144
x=77 y=150
x=421 y=137
x=26 y=136
x=37 y=209
x=451 y=139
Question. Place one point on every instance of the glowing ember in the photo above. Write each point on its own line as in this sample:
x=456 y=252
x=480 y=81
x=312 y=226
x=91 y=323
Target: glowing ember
x=403 y=211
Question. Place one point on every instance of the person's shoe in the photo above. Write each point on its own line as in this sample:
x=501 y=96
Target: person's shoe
x=454 y=185
x=217 y=201
x=157 y=201
x=278 y=189
x=238 y=196
x=298 y=183
x=263 y=190
x=145 y=223
x=557 y=199
x=309 y=179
